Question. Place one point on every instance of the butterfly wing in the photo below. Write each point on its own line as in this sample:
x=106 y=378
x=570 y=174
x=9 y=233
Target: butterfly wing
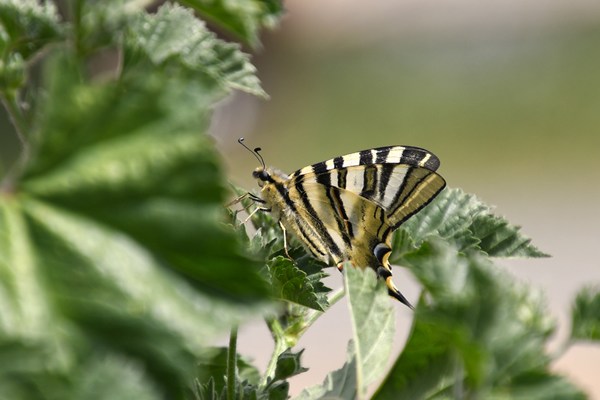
x=350 y=226
x=400 y=179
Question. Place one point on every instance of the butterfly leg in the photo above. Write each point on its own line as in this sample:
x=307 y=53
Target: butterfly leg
x=285 y=248
x=254 y=212
x=238 y=199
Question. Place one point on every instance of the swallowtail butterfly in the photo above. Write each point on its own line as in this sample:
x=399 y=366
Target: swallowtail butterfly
x=347 y=208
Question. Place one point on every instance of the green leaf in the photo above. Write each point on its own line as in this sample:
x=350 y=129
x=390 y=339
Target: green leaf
x=468 y=223
x=475 y=330
x=127 y=378
x=372 y=316
x=340 y=384
x=26 y=26
x=213 y=367
x=585 y=317
x=113 y=243
x=288 y=365
x=498 y=238
x=207 y=391
x=176 y=42
x=539 y=385
x=99 y=25
x=137 y=163
x=243 y=18
x=447 y=216
x=292 y=284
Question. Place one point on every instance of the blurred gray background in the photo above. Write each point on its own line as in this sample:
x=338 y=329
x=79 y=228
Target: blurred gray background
x=505 y=93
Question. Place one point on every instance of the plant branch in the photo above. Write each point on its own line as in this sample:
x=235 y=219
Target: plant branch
x=232 y=364
x=11 y=103
x=280 y=346
x=334 y=298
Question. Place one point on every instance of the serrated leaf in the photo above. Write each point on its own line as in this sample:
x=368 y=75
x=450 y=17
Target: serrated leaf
x=174 y=40
x=475 y=330
x=585 y=315
x=498 y=238
x=100 y=24
x=26 y=26
x=137 y=163
x=450 y=213
x=243 y=18
x=372 y=316
x=423 y=368
x=113 y=238
x=468 y=223
x=338 y=385
x=290 y=283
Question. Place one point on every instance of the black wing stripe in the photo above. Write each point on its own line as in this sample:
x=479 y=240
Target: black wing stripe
x=331 y=245
x=286 y=198
x=382 y=155
x=366 y=157
x=342 y=173
x=417 y=209
x=341 y=217
x=384 y=179
x=369 y=181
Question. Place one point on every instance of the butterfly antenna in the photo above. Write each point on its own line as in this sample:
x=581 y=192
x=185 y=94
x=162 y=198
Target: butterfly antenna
x=255 y=152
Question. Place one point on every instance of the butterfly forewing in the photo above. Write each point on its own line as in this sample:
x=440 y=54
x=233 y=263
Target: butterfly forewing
x=400 y=179
x=410 y=155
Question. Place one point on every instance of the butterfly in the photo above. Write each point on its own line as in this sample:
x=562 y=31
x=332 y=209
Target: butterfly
x=346 y=209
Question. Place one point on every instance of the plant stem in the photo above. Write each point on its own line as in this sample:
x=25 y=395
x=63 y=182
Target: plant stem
x=232 y=364
x=334 y=298
x=280 y=347
x=11 y=103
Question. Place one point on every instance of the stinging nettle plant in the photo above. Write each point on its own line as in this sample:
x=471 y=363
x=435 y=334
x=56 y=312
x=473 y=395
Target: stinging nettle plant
x=120 y=265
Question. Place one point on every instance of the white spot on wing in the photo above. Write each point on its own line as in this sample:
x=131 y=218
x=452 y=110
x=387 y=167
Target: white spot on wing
x=395 y=155
x=351 y=160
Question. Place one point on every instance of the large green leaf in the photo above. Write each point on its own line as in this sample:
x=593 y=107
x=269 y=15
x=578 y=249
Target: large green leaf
x=585 y=323
x=113 y=249
x=476 y=332
x=372 y=316
x=340 y=384
x=468 y=223
x=174 y=37
x=26 y=26
x=138 y=163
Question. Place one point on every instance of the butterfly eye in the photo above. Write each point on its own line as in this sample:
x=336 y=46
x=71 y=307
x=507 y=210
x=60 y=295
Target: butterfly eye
x=261 y=174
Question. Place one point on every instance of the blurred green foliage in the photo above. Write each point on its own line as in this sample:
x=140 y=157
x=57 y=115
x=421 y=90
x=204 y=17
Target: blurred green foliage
x=118 y=265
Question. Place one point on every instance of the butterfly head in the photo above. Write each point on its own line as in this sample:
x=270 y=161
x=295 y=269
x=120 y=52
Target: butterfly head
x=262 y=175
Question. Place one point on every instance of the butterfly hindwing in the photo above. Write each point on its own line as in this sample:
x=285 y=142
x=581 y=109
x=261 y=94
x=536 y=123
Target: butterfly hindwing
x=353 y=224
